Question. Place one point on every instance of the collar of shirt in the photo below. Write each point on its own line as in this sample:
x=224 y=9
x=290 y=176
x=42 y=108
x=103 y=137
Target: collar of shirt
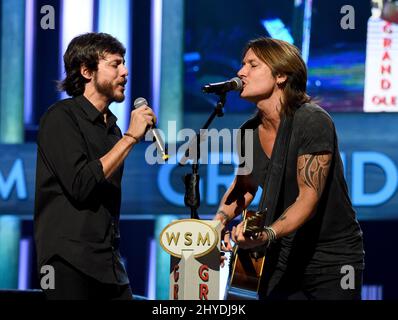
x=92 y=112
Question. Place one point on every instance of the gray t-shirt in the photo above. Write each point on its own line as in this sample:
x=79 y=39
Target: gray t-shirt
x=332 y=237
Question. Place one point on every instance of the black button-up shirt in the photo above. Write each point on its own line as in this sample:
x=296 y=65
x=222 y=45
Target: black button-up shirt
x=76 y=209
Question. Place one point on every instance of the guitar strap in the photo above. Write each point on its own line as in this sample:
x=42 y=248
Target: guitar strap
x=276 y=170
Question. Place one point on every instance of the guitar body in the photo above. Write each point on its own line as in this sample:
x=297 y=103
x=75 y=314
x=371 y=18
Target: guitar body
x=246 y=268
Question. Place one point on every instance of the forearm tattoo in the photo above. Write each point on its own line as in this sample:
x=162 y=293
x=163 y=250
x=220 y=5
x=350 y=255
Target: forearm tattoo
x=283 y=215
x=224 y=215
x=313 y=170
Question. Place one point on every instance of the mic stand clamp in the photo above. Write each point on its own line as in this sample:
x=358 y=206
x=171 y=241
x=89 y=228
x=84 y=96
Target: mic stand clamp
x=191 y=181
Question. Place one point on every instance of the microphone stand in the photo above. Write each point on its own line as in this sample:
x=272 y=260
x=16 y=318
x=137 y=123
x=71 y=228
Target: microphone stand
x=192 y=194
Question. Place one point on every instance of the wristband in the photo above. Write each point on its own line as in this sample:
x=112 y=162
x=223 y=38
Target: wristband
x=131 y=136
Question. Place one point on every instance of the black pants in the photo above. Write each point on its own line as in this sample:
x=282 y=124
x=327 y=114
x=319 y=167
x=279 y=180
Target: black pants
x=322 y=285
x=72 y=284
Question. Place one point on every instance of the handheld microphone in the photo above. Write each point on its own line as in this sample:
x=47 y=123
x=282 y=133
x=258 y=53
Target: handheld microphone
x=139 y=102
x=234 y=84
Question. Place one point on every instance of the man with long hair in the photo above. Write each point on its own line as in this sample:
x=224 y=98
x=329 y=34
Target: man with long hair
x=314 y=234
x=80 y=154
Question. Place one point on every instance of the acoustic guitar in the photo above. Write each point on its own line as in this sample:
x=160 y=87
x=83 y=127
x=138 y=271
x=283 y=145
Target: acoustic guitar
x=246 y=266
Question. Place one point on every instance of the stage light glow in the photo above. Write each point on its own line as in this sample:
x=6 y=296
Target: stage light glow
x=305 y=50
x=76 y=19
x=277 y=29
x=12 y=20
x=10 y=227
x=114 y=17
x=24 y=264
x=372 y=292
x=151 y=285
x=156 y=51
x=29 y=60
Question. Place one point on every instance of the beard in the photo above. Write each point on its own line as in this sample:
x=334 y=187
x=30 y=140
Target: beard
x=107 y=89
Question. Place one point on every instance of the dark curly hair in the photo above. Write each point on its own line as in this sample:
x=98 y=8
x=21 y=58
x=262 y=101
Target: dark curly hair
x=86 y=49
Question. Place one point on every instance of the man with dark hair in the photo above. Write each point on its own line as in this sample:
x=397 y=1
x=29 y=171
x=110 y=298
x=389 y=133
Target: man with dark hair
x=80 y=154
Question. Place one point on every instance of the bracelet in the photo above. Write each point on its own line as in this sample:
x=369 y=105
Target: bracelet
x=130 y=135
x=271 y=235
x=271 y=232
x=224 y=215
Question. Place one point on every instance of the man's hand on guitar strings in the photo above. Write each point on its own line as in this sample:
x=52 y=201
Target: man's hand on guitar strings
x=247 y=242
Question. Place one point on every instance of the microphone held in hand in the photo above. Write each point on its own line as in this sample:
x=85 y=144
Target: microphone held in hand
x=234 y=84
x=139 y=102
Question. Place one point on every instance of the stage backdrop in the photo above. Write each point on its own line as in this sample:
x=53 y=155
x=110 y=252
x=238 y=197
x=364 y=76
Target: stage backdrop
x=368 y=143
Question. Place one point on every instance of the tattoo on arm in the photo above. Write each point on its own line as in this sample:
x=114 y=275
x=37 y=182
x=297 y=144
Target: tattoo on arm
x=224 y=215
x=283 y=215
x=313 y=170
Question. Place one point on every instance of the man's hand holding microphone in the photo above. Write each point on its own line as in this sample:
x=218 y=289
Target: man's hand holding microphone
x=141 y=118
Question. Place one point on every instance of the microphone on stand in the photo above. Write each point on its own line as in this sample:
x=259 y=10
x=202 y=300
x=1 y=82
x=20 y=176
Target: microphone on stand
x=234 y=84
